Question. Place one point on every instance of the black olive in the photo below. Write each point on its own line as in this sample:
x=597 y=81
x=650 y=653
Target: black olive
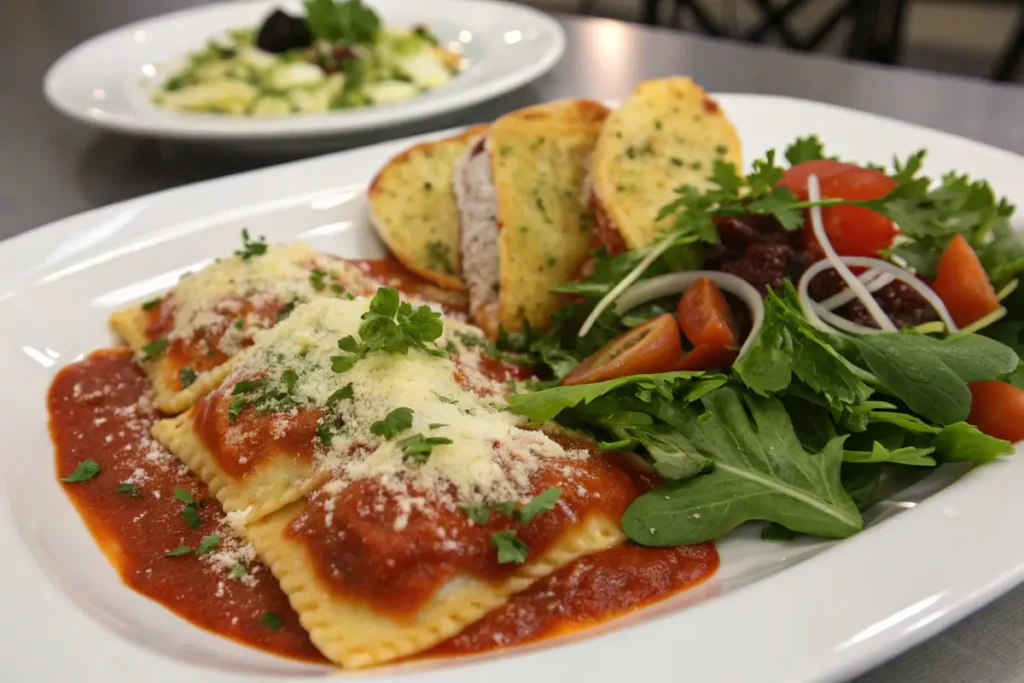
x=281 y=32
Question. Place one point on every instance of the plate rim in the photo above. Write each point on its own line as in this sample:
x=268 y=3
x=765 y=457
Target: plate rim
x=937 y=609
x=297 y=127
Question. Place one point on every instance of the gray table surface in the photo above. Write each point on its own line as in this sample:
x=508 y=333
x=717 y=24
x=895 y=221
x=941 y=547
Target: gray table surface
x=51 y=167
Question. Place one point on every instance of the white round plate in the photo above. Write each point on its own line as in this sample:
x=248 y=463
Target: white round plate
x=780 y=612
x=106 y=81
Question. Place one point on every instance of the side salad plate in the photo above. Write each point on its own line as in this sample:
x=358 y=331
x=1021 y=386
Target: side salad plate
x=406 y=411
x=268 y=70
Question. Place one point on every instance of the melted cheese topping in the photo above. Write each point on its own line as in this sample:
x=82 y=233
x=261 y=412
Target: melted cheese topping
x=492 y=454
x=214 y=296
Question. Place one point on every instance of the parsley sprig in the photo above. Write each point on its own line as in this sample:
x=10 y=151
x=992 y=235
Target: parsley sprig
x=418 y=447
x=510 y=548
x=251 y=247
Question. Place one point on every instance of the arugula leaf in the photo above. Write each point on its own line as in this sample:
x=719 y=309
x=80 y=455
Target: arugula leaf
x=510 y=548
x=788 y=345
x=962 y=442
x=153 y=350
x=348 y=22
x=251 y=247
x=180 y=550
x=208 y=544
x=921 y=380
x=761 y=473
x=777 y=532
x=541 y=406
x=393 y=424
x=418 y=447
x=905 y=455
x=542 y=502
x=673 y=454
x=272 y=621
x=86 y=470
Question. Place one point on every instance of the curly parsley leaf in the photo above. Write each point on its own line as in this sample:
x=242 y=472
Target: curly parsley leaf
x=191 y=517
x=317 y=279
x=510 y=548
x=235 y=408
x=393 y=424
x=809 y=148
x=394 y=326
x=187 y=377
x=343 y=394
x=239 y=571
x=248 y=385
x=208 y=544
x=86 y=470
x=131 y=489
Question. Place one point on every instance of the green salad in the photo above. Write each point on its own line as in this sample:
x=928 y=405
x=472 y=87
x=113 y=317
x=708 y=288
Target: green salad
x=799 y=341
x=338 y=56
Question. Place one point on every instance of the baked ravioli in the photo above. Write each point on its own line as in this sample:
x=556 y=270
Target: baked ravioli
x=363 y=448
x=186 y=339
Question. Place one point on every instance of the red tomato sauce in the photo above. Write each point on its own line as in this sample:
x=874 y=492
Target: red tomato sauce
x=591 y=590
x=99 y=409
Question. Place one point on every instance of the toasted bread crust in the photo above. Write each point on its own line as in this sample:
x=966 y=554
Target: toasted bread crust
x=668 y=133
x=539 y=157
x=413 y=208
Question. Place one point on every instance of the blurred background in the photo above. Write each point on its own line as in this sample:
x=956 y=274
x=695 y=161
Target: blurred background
x=979 y=38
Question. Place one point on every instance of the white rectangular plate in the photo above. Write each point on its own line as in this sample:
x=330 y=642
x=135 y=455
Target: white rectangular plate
x=777 y=612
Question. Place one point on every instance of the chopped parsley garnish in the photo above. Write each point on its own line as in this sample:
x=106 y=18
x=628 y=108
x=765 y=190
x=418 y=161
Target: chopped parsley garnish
x=191 y=517
x=394 y=326
x=437 y=425
x=251 y=247
x=479 y=514
x=187 y=376
x=151 y=304
x=470 y=340
x=287 y=309
x=342 y=394
x=542 y=502
x=271 y=621
x=180 y=550
x=510 y=548
x=316 y=279
x=355 y=351
x=396 y=422
x=325 y=432
x=86 y=470
x=154 y=349
x=445 y=399
x=247 y=385
x=340 y=291
x=184 y=495
x=439 y=257
x=131 y=489
x=208 y=544
x=239 y=324
x=239 y=571
x=418 y=447
x=289 y=378
x=235 y=408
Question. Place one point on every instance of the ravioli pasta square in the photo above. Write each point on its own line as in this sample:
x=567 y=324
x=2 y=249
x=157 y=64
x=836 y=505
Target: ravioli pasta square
x=186 y=340
x=354 y=632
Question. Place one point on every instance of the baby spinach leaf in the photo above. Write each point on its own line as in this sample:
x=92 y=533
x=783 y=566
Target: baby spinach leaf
x=920 y=379
x=761 y=473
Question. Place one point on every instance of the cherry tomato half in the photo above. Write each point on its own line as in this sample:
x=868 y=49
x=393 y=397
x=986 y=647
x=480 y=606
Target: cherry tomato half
x=997 y=409
x=795 y=178
x=963 y=285
x=705 y=316
x=706 y=357
x=648 y=348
